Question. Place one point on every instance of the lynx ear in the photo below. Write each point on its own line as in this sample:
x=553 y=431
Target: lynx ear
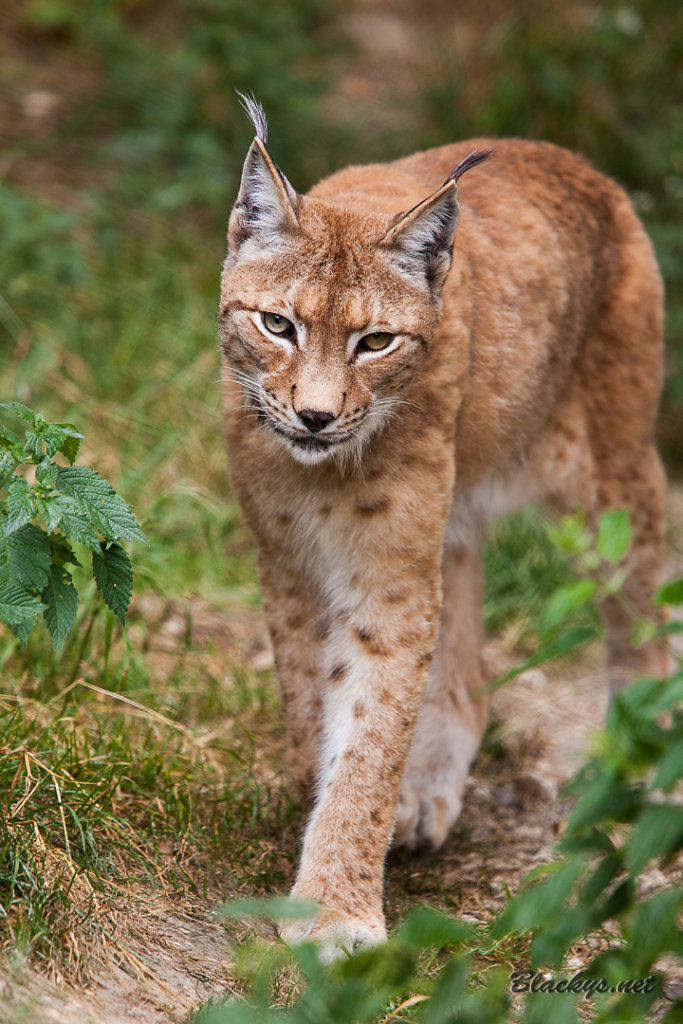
x=265 y=210
x=422 y=238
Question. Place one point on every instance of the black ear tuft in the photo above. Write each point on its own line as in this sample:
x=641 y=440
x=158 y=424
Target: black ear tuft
x=470 y=161
x=256 y=115
x=265 y=210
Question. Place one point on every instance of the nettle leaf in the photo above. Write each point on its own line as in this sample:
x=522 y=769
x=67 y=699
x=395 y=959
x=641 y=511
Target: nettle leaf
x=71 y=443
x=18 y=607
x=28 y=557
x=559 y=1007
x=425 y=926
x=53 y=437
x=54 y=507
x=535 y=906
x=670 y=593
x=114 y=576
x=565 y=601
x=670 y=767
x=74 y=525
x=98 y=500
x=614 y=535
x=46 y=473
x=669 y=628
x=554 y=936
x=7 y=461
x=448 y=992
x=658 y=832
x=605 y=872
x=21 y=505
x=20 y=410
x=658 y=919
x=605 y=799
x=61 y=553
x=22 y=630
x=61 y=601
x=8 y=439
x=34 y=443
x=647 y=698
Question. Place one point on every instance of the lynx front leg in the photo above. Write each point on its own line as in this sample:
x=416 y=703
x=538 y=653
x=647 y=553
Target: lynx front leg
x=298 y=630
x=453 y=712
x=376 y=674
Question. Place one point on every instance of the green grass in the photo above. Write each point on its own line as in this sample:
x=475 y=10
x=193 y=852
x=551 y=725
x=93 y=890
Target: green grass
x=114 y=768
x=121 y=777
x=79 y=816
x=522 y=568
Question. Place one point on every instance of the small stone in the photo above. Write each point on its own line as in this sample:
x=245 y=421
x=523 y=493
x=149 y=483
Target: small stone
x=174 y=626
x=262 y=660
x=39 y=104
x=535 y=678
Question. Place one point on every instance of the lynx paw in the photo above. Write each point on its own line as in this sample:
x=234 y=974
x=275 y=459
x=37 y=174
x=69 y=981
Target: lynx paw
x=425 y=814
x=431 y=792
x=335 y=934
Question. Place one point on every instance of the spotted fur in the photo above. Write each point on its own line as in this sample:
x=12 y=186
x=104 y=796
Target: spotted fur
x=521 y=362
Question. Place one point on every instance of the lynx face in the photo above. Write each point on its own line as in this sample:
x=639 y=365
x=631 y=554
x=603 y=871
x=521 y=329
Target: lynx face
x=323 y=362
x=326 y=314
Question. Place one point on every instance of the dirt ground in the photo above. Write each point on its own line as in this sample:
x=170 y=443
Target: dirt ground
x=177 y=952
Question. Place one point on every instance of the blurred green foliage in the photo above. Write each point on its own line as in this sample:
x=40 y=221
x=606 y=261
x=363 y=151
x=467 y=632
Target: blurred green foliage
x=522 y=566
x=165 y=117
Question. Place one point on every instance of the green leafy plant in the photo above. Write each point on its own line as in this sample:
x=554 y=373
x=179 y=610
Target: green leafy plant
x=43 y=512
x=421 y=973
x=626 y=821
x=567 y=618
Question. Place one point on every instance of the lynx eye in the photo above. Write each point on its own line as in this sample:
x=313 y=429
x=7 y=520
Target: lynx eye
x=277 y=324
x=375 y=342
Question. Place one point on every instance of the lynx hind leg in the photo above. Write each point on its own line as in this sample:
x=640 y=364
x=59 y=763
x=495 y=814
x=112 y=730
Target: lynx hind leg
x=621 y=369
x=640 y=487
x=453 y=711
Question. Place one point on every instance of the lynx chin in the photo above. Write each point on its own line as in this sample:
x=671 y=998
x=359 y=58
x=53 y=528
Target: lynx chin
x=389 y=383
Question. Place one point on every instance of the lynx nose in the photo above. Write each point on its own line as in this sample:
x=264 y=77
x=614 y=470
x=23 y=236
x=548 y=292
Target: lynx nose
x=314 y=419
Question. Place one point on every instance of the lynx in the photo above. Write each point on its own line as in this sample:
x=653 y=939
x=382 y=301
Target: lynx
x=388 y=385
